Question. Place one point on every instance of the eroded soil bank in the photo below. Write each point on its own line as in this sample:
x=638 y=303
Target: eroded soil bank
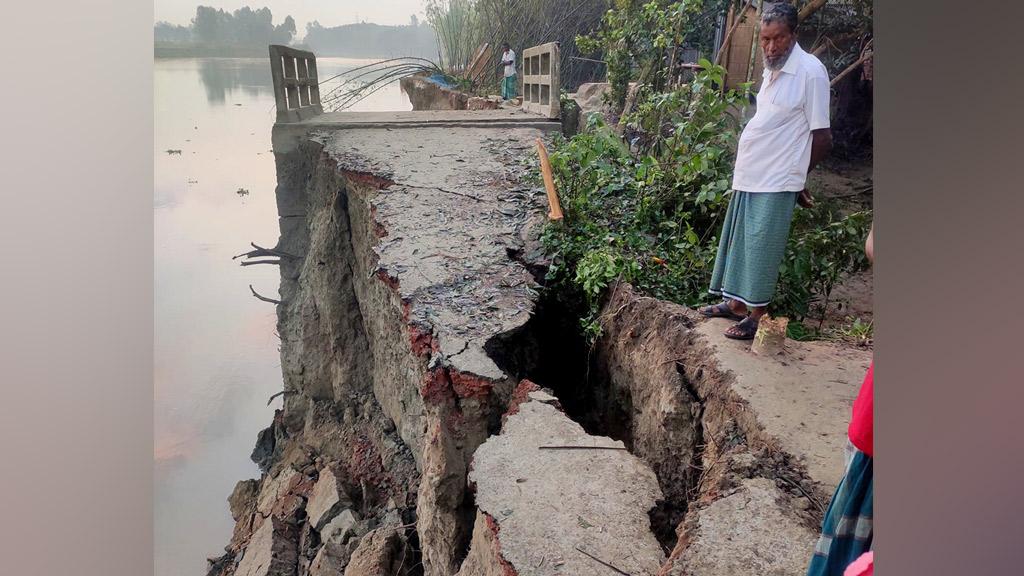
x=425 y=375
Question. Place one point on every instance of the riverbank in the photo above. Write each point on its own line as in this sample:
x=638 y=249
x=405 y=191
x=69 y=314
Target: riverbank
x=417 y=342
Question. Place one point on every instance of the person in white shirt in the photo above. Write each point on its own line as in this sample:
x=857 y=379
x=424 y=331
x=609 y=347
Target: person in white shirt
x=508 y=60
x=788 y=135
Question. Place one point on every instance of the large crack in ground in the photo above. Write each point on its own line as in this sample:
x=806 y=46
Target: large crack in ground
x=407 y=325
x=552 y=351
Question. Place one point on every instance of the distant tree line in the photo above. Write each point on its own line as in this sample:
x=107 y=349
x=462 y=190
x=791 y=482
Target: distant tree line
x=244 y=28
x=247 y=32
x=366 y=40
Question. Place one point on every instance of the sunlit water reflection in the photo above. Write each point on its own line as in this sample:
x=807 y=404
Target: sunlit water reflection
x=216 y=352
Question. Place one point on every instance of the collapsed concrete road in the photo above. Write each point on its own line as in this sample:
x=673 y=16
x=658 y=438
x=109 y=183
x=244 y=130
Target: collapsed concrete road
x=553 y=499
x=397 y=235
x=410 y=310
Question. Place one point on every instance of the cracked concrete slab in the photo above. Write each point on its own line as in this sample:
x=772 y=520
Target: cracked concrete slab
x=751 y=532
x=449 y=210
x=802 y=398
x=561 y=511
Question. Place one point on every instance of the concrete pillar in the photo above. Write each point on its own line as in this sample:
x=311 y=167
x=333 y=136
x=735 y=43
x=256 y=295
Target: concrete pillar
x=296 y=90
x=541 y=82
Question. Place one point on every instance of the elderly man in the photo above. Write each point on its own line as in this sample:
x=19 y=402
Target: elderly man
x=788 y=135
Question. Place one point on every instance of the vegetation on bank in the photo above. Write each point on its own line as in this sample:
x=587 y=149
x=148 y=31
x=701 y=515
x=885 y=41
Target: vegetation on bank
x=462 y=26
x=644 y=201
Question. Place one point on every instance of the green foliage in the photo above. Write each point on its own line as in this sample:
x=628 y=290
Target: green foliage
x=645 y=205
x=855 y=330
x=822 y=247
x=640 y=41
x=646 y=213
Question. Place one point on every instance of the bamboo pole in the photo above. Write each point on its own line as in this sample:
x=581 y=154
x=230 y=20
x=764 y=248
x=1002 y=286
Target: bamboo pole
x=555 y=212
x=809 y=9
x=738 y=18
x=851 y=68
x=754 y=39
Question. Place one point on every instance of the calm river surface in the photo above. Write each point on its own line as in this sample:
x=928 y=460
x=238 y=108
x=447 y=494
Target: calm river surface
x=216 y=353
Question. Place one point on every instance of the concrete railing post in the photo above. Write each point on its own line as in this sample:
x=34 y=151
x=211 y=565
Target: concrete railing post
x=541 y=83
x=296 y=89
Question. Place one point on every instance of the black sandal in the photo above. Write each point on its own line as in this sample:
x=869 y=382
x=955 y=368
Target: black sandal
x=744 y=330
x=721 y=310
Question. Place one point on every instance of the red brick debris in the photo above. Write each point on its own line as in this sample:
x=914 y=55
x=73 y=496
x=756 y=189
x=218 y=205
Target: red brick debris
x=519 y=395
x=469 y=385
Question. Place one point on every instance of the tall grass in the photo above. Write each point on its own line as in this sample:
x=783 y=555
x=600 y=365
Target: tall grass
x=460 y=32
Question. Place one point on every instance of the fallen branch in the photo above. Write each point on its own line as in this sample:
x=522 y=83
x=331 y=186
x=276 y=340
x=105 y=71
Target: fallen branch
x=865 y=56
x=281 y=393
x=264 y=298
x=820 y=506
x=602 y=562
x=261 y=251
x=253 y=262
x=580 y=448
x=453 y=192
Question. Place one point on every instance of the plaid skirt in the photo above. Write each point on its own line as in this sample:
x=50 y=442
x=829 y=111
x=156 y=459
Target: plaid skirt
x=846 y=531
x=752 y=245
x=508 y=87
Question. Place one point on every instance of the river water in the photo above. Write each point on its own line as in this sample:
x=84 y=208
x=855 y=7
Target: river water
x=216 y=352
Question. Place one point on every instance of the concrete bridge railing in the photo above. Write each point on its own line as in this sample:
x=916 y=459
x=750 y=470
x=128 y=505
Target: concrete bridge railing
x=296 y=84
x=541 y=83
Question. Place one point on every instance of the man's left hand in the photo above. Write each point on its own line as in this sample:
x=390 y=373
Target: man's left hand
x=805 y=199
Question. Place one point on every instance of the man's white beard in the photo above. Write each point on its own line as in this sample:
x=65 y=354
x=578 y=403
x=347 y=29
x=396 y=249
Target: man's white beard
x=777 y=64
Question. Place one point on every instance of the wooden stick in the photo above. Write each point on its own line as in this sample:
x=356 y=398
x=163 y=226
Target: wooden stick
x=580 y=448
x=252 y=262
x=596 y=559
x=732 y=29
x=264 y=298
x=850 y=68
x=555 y=212
x=809 y=9
x=261 y=251
x=281 y=393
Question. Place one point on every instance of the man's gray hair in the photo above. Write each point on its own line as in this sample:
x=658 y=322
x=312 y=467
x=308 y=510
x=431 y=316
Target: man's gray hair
x=780 y=12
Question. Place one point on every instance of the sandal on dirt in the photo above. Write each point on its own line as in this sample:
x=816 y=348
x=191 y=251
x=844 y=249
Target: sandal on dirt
x=721 y=310
x=744 y=330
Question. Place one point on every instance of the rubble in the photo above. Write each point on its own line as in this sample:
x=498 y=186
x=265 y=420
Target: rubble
x=551 y=511
x=327 y=500
x=271 y=552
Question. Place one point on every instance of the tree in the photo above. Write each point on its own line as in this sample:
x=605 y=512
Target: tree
x=208 y=24
x=284 y=32
x=414 y=21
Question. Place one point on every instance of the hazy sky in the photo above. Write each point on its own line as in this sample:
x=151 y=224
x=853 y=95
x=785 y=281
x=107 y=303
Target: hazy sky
x=328 y=12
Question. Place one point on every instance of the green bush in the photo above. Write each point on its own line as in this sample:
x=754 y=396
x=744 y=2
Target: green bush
x=647 y=212
x=647 y=209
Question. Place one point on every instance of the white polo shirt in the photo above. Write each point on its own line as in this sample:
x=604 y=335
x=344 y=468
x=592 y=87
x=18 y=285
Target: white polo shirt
x=775 y=147
x=510 y=69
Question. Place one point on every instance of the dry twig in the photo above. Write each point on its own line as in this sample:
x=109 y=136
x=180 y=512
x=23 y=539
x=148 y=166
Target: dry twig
x=263 y=298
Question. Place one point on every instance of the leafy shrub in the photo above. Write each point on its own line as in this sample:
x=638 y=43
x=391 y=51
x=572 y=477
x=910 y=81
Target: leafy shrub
x=646 y=206
x=823 y=246
x=646 y=212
